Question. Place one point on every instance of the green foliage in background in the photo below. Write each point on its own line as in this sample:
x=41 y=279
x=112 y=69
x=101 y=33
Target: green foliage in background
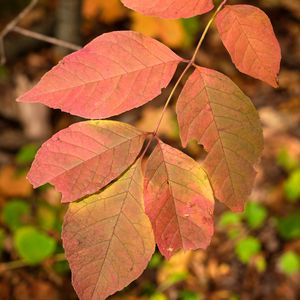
x=32 y=245
x=246 y=248
x=289 y=263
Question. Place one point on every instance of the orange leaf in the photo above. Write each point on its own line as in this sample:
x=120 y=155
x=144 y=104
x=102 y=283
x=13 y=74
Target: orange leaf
x=215 y=112
x=248 y=35
x=85 y=157
x=108 y=238
x=179 y=201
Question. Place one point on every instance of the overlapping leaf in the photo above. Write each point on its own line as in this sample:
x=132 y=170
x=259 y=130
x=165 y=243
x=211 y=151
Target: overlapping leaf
x=178 y=200
x=248 y=35
x=108 y=238
x=170 y=9
x=114 y=73
x=85 y=157
x=215 y=112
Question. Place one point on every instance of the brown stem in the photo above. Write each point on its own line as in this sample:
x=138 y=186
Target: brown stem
x=45 y=38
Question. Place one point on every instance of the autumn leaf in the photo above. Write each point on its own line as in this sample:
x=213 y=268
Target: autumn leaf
x=215 y=112
x=83 y=158
x=108 y=238
x=170 y=9
x=248 y=35
x=178 y=200
x=114 y=73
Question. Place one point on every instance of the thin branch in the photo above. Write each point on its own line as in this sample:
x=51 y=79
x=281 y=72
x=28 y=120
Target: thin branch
x=12 y=27
x=45 y=38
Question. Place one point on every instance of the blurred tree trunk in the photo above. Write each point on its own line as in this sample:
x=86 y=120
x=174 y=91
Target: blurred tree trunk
x=68 y=23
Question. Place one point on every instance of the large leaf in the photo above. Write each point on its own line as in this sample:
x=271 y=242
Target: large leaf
x=85 y=157
x=108 y=238
x=215 y=112
x=114 y=73
x=170 y=9
x=248 y=35
x=179 y=201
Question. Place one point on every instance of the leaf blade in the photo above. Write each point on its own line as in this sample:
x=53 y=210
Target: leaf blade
x=86 y=156
x=215 y=112
x=178 y=201
x=114 y=224
x=114 y=73
x=170 y=9
x=248 y=36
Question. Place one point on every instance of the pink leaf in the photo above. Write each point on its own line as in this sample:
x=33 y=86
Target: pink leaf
x=108 y=238
x=215 y=112
x=170 y=9
x=248 y=35
x=114 y=73
x=83 y=158
x=179 y=201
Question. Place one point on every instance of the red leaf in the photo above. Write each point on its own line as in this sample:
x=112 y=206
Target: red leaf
x=114 y=73
x=248 y=35
x=215 y=112
x=86 y=156
x=108 y=238
x=179 y=201
x=170 y=9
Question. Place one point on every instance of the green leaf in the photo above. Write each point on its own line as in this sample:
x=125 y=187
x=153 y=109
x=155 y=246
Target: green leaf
x=33 y=245
x=289 y=227
x=246 y=248
x=155 y=261
x=292 y=186
x=289 y=263
x=286 y=161
x=189 y=295
x=14 y=213
x=26 y=154
x=47 y=217
x=255 y=215
x=158 y=296
x=229 y=218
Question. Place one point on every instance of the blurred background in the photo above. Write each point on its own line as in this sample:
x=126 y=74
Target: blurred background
x=253 y=255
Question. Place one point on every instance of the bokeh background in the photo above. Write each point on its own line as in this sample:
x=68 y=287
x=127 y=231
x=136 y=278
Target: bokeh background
x=253 y=255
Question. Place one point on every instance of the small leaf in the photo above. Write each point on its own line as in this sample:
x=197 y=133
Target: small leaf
x=33 y=245
x=170 y=9
x=114 y=73
x=246 y=248
x=83 y=158
x=215 y=112
x=14 y=213
x=292 y=186
x=289 y=263
x=108 y=238
x=248 y=35
x=255 y=215
x=289 y=226
x=178 y=200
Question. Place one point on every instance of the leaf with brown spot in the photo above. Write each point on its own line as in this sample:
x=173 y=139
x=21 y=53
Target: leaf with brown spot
x=215 y=112
x=248 y=35
x=178 y=200
x=85 y=157
x=108 y=238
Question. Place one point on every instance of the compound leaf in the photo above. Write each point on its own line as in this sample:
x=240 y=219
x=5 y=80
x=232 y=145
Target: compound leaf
x=178 y=200
x=170 y=9
x=114 y=73
x=248 y=35
x=108 y=238
x=215 y=112
x=83 y=158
